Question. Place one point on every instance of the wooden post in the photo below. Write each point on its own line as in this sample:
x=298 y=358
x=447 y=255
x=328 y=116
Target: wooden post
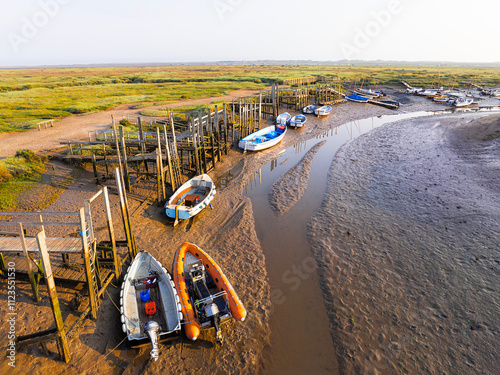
x=128 y=232
x=96 y=173
x=105 y=158
x=125 y=174
x=158 y=177
x=33 y=281
x=86 y=258
x=116 y=259
x=197 y=161
x=169 y=161
x=160 y=165
x=217 y=129
x=202 y=137
x=62 y=342
x=226 y=128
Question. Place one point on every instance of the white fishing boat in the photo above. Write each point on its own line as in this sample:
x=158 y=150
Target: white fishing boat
x=462 y=102
x=263 y=138
x=309 y=109
x=368 y=93
x=323 y=111
x=298 y=121
x=149 y=306
x=190 y=198
x=283 y=118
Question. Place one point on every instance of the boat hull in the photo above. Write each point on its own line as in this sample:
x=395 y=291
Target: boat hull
x=200 y=186
x=163 y=294
x=261 y=139
x=357 y=98
x=298 y=121
x=323 y=111
x=192 y=325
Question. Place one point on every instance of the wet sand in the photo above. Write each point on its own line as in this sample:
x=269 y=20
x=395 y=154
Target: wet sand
x=407 y=243
x=364 y=269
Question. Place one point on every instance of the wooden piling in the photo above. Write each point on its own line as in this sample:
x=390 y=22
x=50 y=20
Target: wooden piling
x=62 y=342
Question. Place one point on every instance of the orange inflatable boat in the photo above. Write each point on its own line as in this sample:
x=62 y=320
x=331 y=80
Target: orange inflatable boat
x=207 y=297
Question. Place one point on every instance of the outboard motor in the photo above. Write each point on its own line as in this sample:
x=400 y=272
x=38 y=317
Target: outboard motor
x=212 y=312
x=152 y=328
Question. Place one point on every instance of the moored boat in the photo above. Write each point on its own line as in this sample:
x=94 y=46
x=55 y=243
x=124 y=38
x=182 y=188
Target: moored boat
x=462 y=102
x=283 y=118
x=149 y=305
x=263 y=138
x=298 y=121
x=391 y=104
x=207 y=297
x=357 y=98
x=369 y=93
x=323 y=111
x=190 y=198
x=309 y=109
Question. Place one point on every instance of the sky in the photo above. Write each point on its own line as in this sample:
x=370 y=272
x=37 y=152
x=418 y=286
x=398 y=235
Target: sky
x=66 y=32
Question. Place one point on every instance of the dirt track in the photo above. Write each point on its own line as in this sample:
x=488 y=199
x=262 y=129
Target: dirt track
x=76 y=128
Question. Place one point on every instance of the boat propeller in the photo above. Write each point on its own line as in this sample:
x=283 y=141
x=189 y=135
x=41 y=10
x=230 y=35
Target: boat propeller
x=152 y=328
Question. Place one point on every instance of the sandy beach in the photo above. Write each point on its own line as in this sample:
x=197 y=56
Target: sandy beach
x=405 y=241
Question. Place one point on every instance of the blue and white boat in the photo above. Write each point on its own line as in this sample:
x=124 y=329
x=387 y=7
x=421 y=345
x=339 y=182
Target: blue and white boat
x=309 y=109
x=323 y=111
x=283 y=118
x=263 y=138
x=190 y=198
x=298 y=121
x=357 y=98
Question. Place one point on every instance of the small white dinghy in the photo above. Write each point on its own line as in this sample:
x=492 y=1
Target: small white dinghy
x=263 y=138
x=190 y=198
x=298 y=121
x=149 y=305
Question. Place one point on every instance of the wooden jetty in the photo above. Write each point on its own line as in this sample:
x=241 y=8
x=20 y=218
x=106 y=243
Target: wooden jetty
x=38 y=258
x=191 y=143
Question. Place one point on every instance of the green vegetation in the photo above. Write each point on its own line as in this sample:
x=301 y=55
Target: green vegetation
x=28 y=96
x=17 y=174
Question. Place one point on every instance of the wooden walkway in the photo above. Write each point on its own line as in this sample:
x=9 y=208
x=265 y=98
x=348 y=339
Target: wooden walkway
x=66 y=245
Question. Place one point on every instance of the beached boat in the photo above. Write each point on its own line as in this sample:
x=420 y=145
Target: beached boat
x=207 y=296
x=309 y=109
x=190 y=198
x=391 y=104
x=369 y=93
x=149 y=306
x=357 y=98
x=263 y=138
x=283 y=118
x=462 y=102
x=441 y=99
x=298 y=121
x=323 y=111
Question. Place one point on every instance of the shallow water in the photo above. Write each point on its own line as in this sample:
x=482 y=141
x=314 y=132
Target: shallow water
x=300 y=338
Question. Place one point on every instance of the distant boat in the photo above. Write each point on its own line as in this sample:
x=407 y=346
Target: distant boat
x=369 y=93
x=323 y=111
x=190 y=198
x=462 y=102
x=391 y=104
x=263 y=138
x=149 y=304
x=309 y=109
x=441 y=99
x=357 y=98
x=283 y=118
x=207 y=296
x=298 y=121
